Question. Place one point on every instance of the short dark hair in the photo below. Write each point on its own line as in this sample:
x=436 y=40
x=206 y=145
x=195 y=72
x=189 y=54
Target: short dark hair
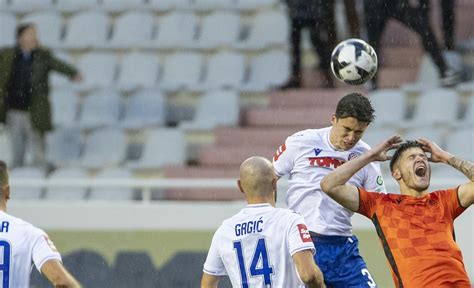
x=22 y=28
x=357 y=106
x=3 y=173
x=405 y=146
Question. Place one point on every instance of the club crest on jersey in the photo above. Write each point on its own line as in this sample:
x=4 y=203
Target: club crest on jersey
x=304 y=233
x=352 y=156
x=325 y=162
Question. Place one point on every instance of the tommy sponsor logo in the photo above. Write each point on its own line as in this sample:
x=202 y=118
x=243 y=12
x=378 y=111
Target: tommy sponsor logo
x=304 y=233
x=278 y=152
x=325 y=162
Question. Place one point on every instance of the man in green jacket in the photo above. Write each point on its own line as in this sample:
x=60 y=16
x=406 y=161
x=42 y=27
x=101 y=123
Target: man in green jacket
x=24 y=93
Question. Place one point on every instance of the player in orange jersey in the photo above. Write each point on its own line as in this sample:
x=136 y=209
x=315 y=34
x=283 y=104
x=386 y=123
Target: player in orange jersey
x=416 y=227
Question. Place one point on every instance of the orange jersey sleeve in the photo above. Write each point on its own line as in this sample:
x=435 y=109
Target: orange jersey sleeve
x=367 y=202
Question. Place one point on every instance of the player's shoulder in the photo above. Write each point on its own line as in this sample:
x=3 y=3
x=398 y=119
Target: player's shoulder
x=20 y=224
x=361 y=147
x=286 y=214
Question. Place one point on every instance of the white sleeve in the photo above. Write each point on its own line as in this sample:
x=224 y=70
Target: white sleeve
x=299 y=238
x=214 y=265
x=43 y=249
x=373 y=180
x=284 y=158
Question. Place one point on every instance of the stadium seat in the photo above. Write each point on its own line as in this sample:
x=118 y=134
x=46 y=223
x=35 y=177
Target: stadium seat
x=65 y=104
x=104 y=148
x=235 y=136
x=268 y=29
x=167 y=5
x=466 y=87
x=63 y=146
x=6 y=147
x=468 y=119
x=138 y=70
x=87 y=29
x=252 y=5
x=289 y=117
x=7 y=33
x=133 y=269
x=224 y=70
x=375 y=135
x=99 y=109
x=98 y=69
x=132 y=29
x=32 y=193
x=112 y=193
x=23 y=6
x=89 y=268
x=216 y=108
x=218 y=29
x=64 y=192
x=176 y=29
x=391 y=104
x=60 y=80
x=172 y=271
x=68 y=6
x=49 y=25
x=433 y=133
x=158 y=153
x=212 y=5
x=436 y=107
x=268 y=70
x=460 y=143
x=182 y=70
x=427 y=77
x=123 y=5
x=143 y=109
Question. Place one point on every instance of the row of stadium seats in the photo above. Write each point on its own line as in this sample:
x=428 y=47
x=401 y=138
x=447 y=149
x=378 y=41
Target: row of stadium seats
x=181 y=29
x=181 y=71
x=22 y=6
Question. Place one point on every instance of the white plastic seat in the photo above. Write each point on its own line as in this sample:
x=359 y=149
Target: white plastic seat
x=87 y=29
x=113 y=193
x=65 y=104
x=461 y=144
x=268 y=29
x=100 y=108
x=98 y=70
x=391 y=105
x=468 y=119
x=67 y=193
x=181 y=71
x=176 y=30
x=22 y=6
x=74 y=5
x=224 y=70
x=436 y=107
x=122 y=5
x=138 y=70
x=376 y=135
x=219 y=29
x=49 y=25
x=166 y=5
x=6 y=153
x=63 y=146
x=32 y=193
x=104 y=148
x=7 y=32
x=432 y=133
x=252 y=5
x=217 y=108
x=132 y=29
x=145 y=108
x=268 y=70
x=212 y=5
x=158 y=152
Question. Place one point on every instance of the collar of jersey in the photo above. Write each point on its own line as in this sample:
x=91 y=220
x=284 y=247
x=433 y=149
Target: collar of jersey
x=259 y=205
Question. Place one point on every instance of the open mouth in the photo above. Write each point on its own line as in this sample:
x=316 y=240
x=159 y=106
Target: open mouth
x=420 y=171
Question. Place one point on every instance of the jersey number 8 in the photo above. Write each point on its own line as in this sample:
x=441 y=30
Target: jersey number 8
x=260 y=253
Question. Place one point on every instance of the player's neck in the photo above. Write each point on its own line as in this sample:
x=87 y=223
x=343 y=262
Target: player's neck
x=260 y=200
x=3 y=206
x=405 y=190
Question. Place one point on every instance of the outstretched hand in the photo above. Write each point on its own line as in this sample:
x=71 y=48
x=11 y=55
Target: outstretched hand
x=437 y=154
x=379 y=152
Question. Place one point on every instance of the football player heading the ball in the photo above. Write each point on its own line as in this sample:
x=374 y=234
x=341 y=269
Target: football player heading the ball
x=307 y=156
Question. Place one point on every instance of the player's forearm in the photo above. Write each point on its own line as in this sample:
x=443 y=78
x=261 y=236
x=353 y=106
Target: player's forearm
x=466 y=167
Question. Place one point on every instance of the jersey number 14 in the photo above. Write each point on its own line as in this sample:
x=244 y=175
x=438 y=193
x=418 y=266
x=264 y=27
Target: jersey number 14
x=259 y=256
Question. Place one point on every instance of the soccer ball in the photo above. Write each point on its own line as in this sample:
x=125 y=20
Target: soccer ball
x=354 y=62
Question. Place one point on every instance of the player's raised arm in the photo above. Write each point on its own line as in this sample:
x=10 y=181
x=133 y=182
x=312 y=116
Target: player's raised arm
x=438 y=155
x=308 y=270
x=334 y=184
x=58 y=275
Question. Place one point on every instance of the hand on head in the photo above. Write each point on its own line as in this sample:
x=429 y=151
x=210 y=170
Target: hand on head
x=437 y=154
x=379 y=152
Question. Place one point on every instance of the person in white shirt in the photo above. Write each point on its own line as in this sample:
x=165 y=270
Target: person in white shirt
x=307 y=156
x=22 y=244
x=261 y=245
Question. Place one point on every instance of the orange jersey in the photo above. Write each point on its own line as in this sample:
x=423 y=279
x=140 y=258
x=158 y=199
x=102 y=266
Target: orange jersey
x=417 y=235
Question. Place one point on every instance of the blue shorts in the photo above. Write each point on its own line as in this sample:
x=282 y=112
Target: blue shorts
x=339 y=260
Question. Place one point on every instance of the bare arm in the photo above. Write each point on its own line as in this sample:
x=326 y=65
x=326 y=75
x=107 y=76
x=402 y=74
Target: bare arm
x=58 y=275
x=209 y=281
x=334 y=184
x=438 y=155
x=308 y=270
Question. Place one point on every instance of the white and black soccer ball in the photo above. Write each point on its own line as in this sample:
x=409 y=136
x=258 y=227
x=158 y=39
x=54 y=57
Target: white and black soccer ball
x=354 y=62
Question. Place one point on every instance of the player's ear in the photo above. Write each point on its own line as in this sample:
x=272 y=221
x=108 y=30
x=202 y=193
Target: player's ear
x=6 y=192
x=333 y=119
x=396 y=174
x=240 y=186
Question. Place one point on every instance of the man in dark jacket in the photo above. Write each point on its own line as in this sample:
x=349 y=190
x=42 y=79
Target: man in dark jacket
x=24 y=90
